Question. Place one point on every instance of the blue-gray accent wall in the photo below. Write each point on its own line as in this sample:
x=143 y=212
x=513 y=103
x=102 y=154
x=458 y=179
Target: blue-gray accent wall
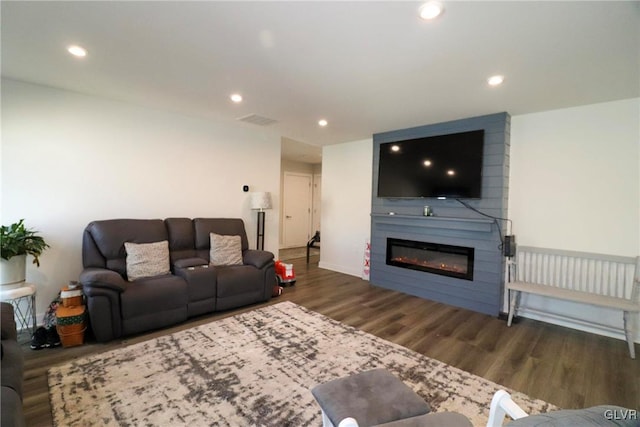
x=452 y=223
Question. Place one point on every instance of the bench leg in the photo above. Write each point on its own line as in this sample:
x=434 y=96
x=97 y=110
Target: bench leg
x=629 y=332
x=513 y=305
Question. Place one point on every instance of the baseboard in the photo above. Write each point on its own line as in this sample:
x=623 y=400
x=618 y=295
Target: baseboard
x=340 y=269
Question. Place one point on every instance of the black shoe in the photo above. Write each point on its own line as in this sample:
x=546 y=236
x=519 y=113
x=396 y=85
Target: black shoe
x=53 y=339
x=39 y=339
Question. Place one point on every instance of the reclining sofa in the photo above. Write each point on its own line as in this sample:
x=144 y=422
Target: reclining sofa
x=119 y=305
x=12 y=370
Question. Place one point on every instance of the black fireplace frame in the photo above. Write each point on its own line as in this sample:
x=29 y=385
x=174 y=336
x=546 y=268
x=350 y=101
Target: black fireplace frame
x=438 y=247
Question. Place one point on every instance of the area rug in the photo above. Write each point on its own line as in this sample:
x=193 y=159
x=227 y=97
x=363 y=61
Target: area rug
x=252 y=369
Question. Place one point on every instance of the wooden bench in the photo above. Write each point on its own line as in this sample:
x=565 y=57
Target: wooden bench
x=595 y=279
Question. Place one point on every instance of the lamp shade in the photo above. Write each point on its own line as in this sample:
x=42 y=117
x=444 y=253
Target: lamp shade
x=261 y=200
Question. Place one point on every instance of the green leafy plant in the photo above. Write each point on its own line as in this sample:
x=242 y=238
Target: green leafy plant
x=16 y=240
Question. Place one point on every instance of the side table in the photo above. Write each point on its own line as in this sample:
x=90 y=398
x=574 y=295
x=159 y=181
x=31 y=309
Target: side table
x=23 y=300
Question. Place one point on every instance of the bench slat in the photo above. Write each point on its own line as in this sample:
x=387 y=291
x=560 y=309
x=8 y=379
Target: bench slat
x=577 y=296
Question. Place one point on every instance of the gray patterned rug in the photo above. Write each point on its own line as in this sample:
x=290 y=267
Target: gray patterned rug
x=252 y=369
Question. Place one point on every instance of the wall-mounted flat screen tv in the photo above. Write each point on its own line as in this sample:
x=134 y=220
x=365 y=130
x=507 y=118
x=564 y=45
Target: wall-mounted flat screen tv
x=443 y=166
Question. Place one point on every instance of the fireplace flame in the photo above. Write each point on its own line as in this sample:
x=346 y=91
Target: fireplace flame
x=456 y=268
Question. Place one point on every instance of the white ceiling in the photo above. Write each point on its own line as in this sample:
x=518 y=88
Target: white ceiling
x=366 y=67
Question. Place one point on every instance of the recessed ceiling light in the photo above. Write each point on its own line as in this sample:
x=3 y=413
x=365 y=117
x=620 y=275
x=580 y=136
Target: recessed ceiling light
x=431 y=10
x=323 y=122
x=236 y=97
x=78 y=51
x=495 y=80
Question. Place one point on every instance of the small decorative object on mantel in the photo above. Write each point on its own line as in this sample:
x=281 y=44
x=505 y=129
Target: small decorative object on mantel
x=16 y=242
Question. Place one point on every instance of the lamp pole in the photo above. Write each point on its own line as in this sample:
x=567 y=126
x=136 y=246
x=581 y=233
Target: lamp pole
x=260 y=201
x=260 y=234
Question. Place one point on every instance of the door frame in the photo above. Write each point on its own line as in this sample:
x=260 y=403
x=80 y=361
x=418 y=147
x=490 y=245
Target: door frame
x=284 y=204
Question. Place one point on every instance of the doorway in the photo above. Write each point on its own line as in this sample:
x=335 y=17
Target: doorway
x=300 y=188
x=297 y=202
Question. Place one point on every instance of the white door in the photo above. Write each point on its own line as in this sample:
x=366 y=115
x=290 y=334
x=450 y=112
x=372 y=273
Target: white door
x=297 y=209
x=317 y=190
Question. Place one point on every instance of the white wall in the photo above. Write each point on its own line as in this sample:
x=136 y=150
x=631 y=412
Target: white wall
x=575 y=180
x=346 y=205
x=68 y=159
x=575 y=184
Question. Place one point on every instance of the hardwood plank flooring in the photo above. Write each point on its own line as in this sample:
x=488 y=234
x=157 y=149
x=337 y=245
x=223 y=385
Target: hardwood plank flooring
x=568 y=368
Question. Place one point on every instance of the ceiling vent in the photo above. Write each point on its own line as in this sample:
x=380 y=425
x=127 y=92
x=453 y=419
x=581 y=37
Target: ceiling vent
x=257 y=120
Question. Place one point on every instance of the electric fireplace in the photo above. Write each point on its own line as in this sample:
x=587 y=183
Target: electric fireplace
x=446 y=260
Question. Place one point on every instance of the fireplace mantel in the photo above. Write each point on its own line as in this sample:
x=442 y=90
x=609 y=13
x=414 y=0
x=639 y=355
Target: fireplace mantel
x=440 y=222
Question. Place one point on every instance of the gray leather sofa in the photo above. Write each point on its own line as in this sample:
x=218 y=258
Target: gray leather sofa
x=12 y=369
x=118 y=307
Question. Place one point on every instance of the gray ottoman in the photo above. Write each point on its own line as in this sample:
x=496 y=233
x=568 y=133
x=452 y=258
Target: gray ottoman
x=371 y=397
x=434 y=419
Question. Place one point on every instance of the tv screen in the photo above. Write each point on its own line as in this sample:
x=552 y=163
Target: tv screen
x=448 y=166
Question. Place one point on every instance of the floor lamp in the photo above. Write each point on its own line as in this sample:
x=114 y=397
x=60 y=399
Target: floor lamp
x=260 y=201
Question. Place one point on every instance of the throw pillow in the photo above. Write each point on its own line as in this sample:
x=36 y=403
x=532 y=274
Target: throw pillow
x=147 y=259
x=225 y=250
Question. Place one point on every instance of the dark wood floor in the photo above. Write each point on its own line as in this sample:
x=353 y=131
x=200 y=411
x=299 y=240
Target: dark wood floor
x=568 y=368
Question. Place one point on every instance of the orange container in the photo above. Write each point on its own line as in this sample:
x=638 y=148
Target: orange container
x=71 y=325
x=71 y=297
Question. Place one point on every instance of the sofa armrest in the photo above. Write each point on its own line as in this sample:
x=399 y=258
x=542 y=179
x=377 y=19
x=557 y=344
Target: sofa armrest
x=101 y=278
x=258 y=259
x=103 y=288
x=190 y=262
x=7 y=322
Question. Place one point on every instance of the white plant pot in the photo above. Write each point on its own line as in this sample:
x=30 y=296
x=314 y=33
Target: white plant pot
x=13 y=272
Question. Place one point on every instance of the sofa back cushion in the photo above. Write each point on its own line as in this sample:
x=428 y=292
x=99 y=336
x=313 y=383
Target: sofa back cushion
x=103 y=241
x=224 y=226
x=181 y=238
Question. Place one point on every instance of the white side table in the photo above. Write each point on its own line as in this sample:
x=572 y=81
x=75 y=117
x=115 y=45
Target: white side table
x=23 y=300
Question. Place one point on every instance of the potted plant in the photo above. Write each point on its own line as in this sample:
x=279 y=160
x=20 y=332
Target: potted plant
x=16 y=242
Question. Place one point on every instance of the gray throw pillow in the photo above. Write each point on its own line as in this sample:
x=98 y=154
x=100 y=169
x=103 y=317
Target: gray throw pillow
x=147 y=259
x=225 y=250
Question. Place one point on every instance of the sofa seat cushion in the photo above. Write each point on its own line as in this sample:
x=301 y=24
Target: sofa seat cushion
x=238 y=279
x=154 y=295
x=596 y=416
x=12 y=366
